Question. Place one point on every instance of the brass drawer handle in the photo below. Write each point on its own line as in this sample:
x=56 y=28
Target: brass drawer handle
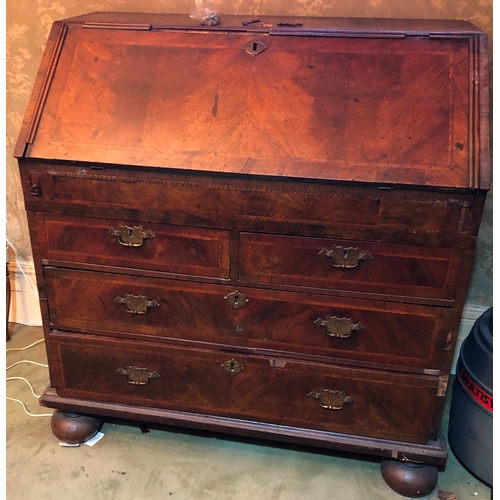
x=346 y=258
x=331 y=400
x=232 y=367
x=136 y=304
x=138 y=376
x=131 y=236
x=339 y=327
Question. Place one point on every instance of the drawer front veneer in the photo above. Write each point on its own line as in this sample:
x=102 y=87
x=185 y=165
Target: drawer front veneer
x=349 y=265
x=374 y=403
x=137 y=245
x=163 y=195
x=360 y=331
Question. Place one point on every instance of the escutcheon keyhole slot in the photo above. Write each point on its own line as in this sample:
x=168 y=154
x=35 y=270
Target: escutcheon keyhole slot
x=254 y=47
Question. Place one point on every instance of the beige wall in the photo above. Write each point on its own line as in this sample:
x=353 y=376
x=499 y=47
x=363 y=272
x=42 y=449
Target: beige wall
x=28 y=24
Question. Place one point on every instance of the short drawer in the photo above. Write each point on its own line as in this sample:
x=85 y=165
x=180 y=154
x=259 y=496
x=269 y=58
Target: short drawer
x=133 y=244
x=362 y=266
x=355 y=331
x=278 y=391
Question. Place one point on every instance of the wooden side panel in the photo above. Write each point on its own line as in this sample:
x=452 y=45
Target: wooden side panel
x=167 y=248
x=391 y=269
x=406 y=336
x=393 y=406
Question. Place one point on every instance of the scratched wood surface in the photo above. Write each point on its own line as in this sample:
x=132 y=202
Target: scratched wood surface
x=406 y=337
x=375 y=110
x=248 y=169
x=194 y=380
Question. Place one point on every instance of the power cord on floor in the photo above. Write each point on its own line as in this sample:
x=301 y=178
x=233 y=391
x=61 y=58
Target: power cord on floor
x=22 y=378
x=24 y=348
x=27 y=411
x=28 y=382
x=35 y=291
x=27 y=361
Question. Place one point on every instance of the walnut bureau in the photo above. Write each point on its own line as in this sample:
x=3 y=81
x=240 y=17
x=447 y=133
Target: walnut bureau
x=260 y=229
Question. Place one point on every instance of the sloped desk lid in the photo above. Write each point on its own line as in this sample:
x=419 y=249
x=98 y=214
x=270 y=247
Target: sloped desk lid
x=380 y=106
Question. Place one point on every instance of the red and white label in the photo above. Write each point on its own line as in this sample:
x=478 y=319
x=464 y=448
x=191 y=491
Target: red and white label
x=484 y=399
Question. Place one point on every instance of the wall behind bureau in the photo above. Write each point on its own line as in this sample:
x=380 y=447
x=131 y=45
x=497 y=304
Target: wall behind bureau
x=28 y=25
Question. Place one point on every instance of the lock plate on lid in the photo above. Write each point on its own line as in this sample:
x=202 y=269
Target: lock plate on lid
x=254 y=47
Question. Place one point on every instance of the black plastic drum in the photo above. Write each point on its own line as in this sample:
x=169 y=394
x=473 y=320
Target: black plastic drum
x=471 y=416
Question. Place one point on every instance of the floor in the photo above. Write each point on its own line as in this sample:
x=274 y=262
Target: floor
x=129 y=464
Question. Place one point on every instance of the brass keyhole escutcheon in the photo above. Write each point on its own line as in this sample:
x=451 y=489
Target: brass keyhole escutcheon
x=232 y=367
x=236 y=299
x=254 y=47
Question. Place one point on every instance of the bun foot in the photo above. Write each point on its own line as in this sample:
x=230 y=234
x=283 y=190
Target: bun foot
x=409 y=479
x=74 y=428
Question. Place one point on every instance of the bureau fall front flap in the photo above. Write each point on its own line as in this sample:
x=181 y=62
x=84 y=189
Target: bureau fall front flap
x=389 y=109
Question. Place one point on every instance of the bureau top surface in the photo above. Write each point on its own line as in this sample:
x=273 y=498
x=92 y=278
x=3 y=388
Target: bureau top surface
x=383 y=101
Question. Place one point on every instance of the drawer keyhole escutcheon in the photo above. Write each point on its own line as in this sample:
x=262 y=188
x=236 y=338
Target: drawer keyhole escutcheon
x=131 y=236
x=331 y=400
x=339 y=327
x=138 y=376
x=236 y=299
x=254 y=47
x=346 y=258
x=232 y=367
x=136 y=304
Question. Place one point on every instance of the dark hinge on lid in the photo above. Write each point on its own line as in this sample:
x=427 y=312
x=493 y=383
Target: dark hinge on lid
x=299 y=31
x=118 y=26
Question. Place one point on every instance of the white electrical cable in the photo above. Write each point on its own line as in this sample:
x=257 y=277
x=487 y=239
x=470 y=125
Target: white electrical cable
x=31 y=387
x=28 y=382
x=27 y=361
x=20 y=267
x=24 y=348
x=26 y=409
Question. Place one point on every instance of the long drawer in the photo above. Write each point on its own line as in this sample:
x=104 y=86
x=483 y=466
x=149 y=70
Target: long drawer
x=278 y=391
x=403 y=335
x=156 y=247
x=355 y=212
x=246 y=198
x=349 y=265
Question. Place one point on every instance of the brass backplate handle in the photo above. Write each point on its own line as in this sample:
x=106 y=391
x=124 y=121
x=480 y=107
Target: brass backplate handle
x=232 y=367
x=338 y=327
x=131 y=236
x=136 y=304
x=236 y=299
x=331 y=400
x=137 y=376
x=346 y=258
